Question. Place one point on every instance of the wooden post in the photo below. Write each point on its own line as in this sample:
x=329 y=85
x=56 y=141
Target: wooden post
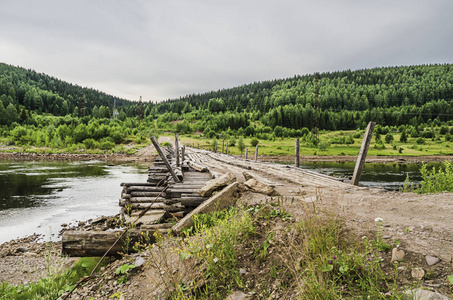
x=223 y=146
x=183 y=152
x=362 y=154
x=226 y=147
x=177 y=150
x=256 y=153
x=296 y=162
x=164 y=159
x=246 y=152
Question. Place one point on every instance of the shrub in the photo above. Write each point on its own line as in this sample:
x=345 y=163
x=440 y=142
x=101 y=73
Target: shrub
x=106 y=144
x=388 y=138
x=254 y=142
x=90 y=143
x=420 y=141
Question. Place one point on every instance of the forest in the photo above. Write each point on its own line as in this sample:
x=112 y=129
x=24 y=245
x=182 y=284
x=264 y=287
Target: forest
x=43 y=111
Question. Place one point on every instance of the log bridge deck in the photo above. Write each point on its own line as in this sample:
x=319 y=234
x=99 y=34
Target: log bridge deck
x=161 y=195
x=149 y=206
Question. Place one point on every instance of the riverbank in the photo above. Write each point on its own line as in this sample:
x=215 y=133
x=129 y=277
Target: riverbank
x=147 y=154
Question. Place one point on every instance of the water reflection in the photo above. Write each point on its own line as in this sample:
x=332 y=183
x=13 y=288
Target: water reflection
x=390 y=175
x=40 y=196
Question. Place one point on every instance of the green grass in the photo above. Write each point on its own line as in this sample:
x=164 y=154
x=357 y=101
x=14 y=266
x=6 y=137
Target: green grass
x=286 y=146
x=315 y=258
x=50 y=287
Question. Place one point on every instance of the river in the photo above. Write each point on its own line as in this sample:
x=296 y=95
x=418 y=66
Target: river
x=37 y=197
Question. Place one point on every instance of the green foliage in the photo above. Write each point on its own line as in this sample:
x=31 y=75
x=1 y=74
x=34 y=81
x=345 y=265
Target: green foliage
x=436 y=181
x=51 y=287
x=254 y=141
x=389 y=138
x=241 y=145
x=420 y=141
x=123 y=271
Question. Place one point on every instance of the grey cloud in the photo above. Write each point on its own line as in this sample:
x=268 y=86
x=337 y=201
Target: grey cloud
x=166 y=49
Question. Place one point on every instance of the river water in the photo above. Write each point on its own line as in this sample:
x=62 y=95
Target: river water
x=37 y=197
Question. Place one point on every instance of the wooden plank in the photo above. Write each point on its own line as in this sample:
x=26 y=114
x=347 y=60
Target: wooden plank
x=362 y=154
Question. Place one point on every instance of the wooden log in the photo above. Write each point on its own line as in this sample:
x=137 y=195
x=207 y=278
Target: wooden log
x=146 y=194
x=96 y=243
x=127 y=184
x=160 y=206
x=192 y=201
x=145 y=188
x=156 y=226
x=198 y=167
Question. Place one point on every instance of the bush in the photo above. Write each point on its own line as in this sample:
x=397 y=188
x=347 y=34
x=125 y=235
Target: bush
x=106 y=144
x=90 y=143
x=388 y=138
x=403 y=138
x=254 y=142
x=323 y=145
x=420 y=141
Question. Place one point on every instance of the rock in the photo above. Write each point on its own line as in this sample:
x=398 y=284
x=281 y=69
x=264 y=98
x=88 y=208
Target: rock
x=139 y=261
x=431 y=260
x=242 y=271
x=260 y=187
x=237 y=295
x=21 y=250
x=420 y=294
x=417 y=273
x=397 y=254
x=217 y=183
x=64 y=225
x=30 y=254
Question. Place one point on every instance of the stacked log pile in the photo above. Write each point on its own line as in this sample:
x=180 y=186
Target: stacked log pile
x=158 y=201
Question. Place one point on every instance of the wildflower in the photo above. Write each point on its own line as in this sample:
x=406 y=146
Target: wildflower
x=334 y=257
x=377 y=220
x=330 y=262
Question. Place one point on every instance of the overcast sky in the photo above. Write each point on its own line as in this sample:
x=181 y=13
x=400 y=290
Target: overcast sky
x=166 y=49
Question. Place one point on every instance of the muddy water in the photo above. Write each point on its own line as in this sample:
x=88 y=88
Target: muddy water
x=37 y=197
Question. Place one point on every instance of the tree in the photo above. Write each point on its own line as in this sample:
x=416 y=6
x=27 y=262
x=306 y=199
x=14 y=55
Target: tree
x=403 y=137
x=255 y=141
x=241 y=145
x=388 y=138
x=11 y=115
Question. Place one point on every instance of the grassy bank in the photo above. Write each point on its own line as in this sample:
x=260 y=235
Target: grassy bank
x=261 y=251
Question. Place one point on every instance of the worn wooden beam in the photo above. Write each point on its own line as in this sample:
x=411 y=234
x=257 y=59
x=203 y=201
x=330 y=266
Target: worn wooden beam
x=164 y=159
x=177 y=149
x=362 y=154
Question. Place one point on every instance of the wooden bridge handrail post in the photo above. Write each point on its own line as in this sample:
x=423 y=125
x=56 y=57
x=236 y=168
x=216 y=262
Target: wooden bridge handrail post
x=256 y=153
x=296 y=162
x=362 y=154
x=246 y=152
x=177 y=149
x=164 y=159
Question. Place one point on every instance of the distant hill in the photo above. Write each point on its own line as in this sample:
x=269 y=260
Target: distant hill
x=45 y=94
x=332 y=100
x=346 y=99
